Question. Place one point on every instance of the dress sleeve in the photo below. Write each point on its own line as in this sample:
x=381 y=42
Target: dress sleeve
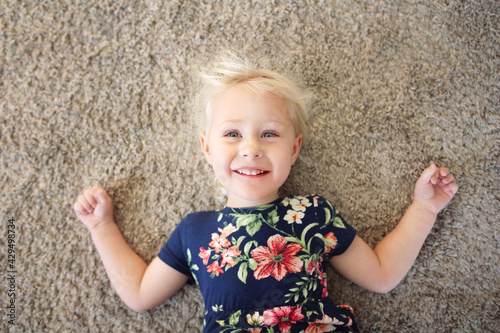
x=174 y=252
x=338 y=235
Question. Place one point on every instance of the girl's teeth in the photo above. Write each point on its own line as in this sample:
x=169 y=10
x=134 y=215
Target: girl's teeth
x=250 y=173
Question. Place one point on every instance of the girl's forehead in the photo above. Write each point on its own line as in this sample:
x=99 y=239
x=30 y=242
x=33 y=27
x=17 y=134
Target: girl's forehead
x=241 y=102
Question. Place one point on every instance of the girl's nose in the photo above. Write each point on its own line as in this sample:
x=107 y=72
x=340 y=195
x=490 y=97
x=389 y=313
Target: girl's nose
x=250 y=148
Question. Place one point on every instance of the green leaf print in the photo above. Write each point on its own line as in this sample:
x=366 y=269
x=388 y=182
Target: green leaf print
x=291 y=239
x=264 y=207
x=318 y=235
x=243 y=272
x=254 y=227
x=328 y=216
x=235 y=318
x=335 y=219
x=252 y=264
x=302 y=289
x=303 y=237
x=272 y=217
x=248 y=246
x=239 y=241
x=310 y=313
x=251 y=222
x=193 y=267
x=243 y=220
x=337 y=222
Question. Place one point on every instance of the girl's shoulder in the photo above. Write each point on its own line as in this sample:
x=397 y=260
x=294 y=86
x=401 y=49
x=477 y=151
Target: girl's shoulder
x=199 y=219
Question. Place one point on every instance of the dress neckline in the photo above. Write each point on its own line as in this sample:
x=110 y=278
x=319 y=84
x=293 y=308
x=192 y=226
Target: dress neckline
x=259 y=208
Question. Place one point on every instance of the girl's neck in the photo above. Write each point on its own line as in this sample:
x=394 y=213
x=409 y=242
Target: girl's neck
x=233 y=202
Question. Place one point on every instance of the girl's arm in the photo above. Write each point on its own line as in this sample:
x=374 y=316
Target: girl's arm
x=140 y=286
x=381 y=269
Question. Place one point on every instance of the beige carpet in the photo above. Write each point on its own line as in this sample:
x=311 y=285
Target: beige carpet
x=101 y=93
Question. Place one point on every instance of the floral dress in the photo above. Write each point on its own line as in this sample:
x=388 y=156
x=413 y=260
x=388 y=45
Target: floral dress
x=260 y=269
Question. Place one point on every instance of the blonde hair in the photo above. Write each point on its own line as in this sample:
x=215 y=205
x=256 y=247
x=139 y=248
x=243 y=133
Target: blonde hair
x=233 y=70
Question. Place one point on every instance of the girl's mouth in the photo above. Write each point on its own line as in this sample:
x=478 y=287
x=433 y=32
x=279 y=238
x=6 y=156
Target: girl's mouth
x=254 y=172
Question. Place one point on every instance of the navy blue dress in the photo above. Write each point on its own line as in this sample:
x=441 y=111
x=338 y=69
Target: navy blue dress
x=260 y=269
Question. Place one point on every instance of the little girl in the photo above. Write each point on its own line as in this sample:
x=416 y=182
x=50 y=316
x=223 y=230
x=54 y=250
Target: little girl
x=259 y=261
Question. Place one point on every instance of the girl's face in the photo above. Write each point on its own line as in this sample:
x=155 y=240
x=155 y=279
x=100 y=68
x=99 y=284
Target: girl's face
x=251 y=145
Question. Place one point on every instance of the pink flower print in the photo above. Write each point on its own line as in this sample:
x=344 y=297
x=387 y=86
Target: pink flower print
x=228 y=230
x=324 y=324
x=214 y=267
x=330 y=242
x=324 y=284
x=278 y=259
x=337 y=322
x=218 y=242
x=205 y=255
x=313 y=266
x=347 y=307
x=228 y=255
x=254 y=330
x=323 y=281
x=285 y=316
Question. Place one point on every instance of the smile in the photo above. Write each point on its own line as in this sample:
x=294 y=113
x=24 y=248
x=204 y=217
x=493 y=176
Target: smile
x=251 y=172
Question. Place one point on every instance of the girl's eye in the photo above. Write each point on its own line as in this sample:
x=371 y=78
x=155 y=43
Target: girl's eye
x=232 y=134
x=269 y=134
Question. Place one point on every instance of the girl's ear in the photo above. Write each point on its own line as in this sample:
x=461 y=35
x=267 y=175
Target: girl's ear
x=205 y=148
x=296 y=148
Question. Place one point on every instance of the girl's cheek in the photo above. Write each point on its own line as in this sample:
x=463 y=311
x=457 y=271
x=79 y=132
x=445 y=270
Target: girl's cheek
x=221 y=177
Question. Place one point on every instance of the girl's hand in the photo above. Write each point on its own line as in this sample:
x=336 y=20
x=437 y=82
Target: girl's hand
x=93 y=208
x=435 y=188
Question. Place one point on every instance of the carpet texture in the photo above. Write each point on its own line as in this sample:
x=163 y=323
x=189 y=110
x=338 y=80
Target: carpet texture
x=102 y=93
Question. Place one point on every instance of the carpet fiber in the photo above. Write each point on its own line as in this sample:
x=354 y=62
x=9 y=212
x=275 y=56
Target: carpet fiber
x=102 y=93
